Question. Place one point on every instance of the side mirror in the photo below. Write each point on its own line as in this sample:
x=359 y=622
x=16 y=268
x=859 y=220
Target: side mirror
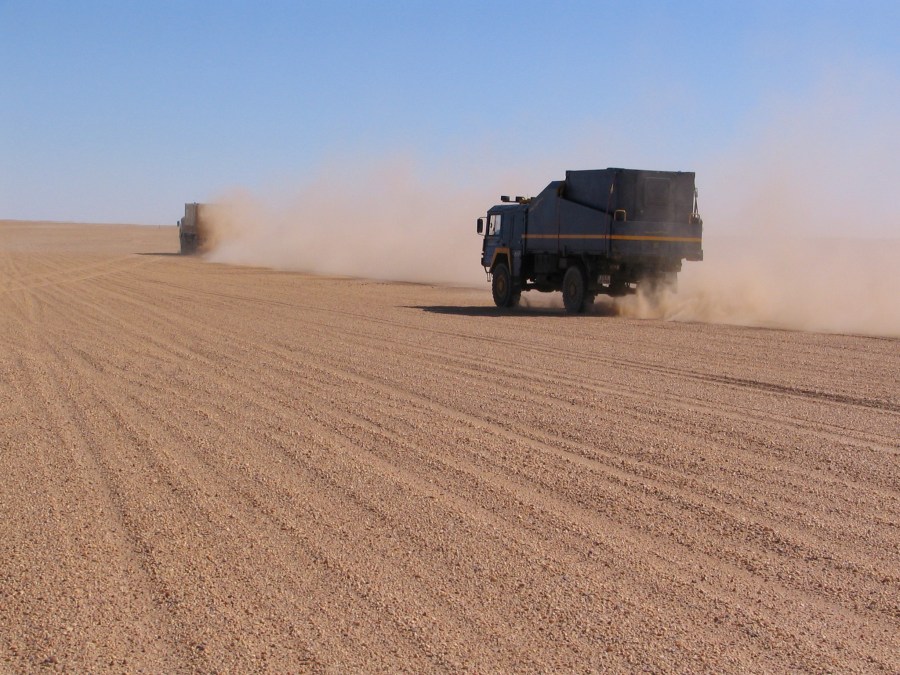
x=479 y=227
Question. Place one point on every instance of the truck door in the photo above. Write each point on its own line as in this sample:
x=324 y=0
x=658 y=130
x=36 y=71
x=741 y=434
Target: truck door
x=493 y=237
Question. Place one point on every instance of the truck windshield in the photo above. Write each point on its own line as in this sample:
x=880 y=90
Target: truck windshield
x=494 y=224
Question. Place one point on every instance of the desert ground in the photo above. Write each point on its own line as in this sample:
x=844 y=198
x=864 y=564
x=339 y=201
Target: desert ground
x=213 y=468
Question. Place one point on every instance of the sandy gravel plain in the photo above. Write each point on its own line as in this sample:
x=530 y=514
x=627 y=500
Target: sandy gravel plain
x=209 y=468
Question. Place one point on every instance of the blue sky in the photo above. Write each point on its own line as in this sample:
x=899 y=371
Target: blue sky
x=122 y=111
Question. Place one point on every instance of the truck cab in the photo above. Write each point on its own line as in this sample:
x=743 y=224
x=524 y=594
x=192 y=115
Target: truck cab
x=501 y=249
x=599 y=231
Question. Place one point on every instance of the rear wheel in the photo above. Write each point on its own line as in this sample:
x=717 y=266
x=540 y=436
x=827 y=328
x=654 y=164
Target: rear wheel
x=501 y=287
x=574 y=294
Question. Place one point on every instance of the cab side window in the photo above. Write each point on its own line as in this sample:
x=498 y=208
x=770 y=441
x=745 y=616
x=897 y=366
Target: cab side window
x=494 y=224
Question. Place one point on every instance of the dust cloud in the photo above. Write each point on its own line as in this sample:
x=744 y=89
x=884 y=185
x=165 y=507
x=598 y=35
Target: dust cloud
x=389 y=223
x=380 y=220
x=801 y=224
x=826 y=285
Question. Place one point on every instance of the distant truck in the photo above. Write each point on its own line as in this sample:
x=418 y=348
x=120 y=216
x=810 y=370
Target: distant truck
x=603 y=231
x=193 y=230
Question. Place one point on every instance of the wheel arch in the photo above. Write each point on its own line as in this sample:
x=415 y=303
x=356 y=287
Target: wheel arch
x=501 y=255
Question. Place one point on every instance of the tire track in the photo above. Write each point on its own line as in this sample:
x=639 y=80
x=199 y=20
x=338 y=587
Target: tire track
x=349 y=483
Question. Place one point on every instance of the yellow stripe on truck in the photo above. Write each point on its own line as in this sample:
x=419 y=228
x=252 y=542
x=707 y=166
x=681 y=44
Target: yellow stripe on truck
x=616 y=237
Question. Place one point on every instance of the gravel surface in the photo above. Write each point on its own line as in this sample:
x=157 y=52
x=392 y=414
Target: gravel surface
x=207 y=468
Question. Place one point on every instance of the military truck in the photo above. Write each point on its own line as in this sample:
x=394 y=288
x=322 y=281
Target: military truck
x=193 y=230
x=601 y=231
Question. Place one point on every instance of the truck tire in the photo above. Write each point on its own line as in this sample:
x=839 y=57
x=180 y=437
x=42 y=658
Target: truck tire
x=574 y=294
x=501 y=287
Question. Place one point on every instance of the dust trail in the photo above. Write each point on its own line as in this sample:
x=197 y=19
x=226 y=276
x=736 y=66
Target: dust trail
x=393 y=224
x=827 y=285
x=801 y=223
x=383 y=220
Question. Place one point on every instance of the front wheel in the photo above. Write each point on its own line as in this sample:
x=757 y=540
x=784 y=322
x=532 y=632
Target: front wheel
x=574 y=294
x=501 y=287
